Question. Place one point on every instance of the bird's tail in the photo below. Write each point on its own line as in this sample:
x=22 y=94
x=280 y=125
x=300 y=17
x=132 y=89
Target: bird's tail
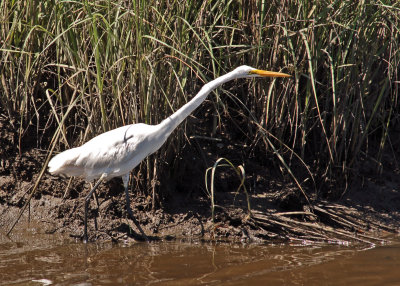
x=65 y=163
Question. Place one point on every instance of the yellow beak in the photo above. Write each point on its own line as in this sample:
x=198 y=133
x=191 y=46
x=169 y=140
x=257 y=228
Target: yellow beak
x=269 y=73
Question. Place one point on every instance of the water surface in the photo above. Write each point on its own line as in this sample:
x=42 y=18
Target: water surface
x=30 y=257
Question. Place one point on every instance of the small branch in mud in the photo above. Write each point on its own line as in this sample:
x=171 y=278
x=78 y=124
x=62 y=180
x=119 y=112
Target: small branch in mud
x=312 y=227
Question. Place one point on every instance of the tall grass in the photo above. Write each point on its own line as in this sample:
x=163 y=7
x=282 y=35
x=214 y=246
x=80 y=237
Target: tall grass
x=83 y=68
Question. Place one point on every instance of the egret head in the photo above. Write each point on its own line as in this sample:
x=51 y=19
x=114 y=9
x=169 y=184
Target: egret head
x=246 y=71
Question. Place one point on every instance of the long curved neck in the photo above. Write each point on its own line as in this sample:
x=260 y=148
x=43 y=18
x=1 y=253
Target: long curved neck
x=169 y=124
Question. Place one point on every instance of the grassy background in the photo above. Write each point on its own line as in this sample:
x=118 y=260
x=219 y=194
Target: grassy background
x=72 y=70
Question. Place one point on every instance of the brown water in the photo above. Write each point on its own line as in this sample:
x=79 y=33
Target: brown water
x=32 y=258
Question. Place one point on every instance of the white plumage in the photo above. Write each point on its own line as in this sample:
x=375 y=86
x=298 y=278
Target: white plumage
x=115 y=153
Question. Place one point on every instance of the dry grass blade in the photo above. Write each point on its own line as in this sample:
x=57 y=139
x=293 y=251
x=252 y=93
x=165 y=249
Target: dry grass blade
x=81 y=68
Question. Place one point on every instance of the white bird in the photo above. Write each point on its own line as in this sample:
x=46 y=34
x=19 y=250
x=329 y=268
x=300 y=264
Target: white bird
x=116 y=152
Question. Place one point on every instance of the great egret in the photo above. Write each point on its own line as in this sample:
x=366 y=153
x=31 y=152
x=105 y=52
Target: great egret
x=115 y=153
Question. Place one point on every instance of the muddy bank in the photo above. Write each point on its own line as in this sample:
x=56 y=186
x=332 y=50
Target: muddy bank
x=370 y=208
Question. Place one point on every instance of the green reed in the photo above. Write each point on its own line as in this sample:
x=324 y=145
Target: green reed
x=86 y=67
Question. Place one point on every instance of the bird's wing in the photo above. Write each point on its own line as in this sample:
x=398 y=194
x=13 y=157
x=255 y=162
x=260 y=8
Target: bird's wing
x=112 y=152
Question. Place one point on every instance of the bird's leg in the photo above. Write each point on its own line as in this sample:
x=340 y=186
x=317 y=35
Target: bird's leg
x=96 y=199
x=125 y=180
x=87 y=200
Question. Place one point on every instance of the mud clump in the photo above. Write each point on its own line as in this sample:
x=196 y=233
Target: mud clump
x=183 y=210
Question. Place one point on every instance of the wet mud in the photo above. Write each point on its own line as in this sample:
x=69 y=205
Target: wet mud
x=366 y=211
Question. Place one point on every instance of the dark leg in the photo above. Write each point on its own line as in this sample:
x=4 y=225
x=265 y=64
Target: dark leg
x=87 y=200
x=125 y=179
x=97 y=210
